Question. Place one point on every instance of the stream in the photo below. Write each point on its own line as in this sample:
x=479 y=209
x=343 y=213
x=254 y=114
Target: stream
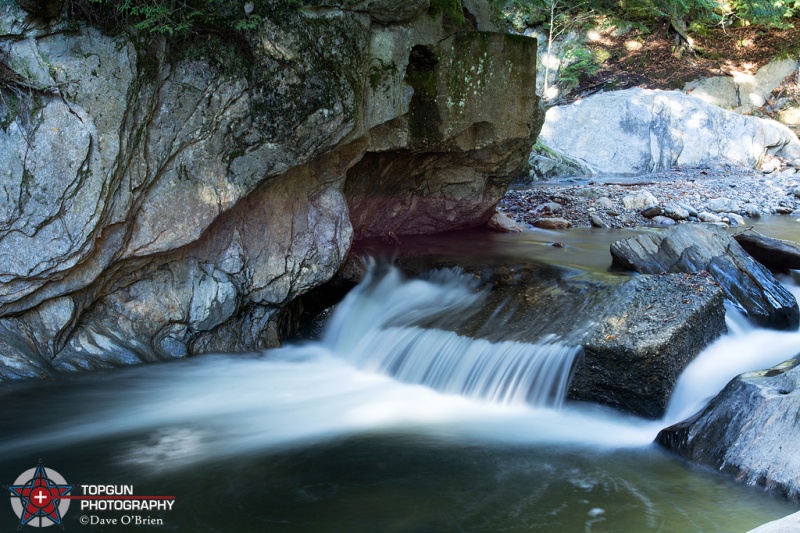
x=382 y=425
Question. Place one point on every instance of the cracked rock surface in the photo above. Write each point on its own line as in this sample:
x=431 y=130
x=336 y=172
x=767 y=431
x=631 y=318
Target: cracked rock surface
x=153 y=209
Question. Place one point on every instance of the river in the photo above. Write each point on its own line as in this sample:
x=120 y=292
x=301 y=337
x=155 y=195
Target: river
x=381 y=426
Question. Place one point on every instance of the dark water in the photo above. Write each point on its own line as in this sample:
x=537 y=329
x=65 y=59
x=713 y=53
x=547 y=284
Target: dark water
x=299 y=439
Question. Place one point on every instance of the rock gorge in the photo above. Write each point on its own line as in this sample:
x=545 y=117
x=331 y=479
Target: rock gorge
x=155 y=208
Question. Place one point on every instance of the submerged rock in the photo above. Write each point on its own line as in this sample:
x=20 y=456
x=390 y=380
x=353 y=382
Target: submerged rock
x=692 y=249
x=748 y=431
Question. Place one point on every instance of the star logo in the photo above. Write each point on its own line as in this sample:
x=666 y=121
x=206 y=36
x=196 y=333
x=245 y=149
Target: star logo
x=36 y=497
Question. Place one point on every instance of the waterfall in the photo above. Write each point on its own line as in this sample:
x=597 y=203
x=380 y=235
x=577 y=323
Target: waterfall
x=743 y=349
x=376 y=329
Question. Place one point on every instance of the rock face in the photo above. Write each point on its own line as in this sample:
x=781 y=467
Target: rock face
x=748 y=430
x=692 y=249
x=445 y=164
x=640 y=131
x=157 y=209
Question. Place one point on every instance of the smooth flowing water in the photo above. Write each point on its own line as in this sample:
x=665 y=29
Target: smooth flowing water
x=384 y=425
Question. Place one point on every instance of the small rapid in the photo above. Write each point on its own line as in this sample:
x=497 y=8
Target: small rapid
x=382 y=367
x=375 y=330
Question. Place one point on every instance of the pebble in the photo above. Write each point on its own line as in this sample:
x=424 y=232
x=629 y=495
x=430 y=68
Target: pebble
x=756 y=195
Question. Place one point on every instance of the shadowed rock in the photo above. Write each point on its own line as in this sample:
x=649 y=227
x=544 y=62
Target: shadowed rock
x=775 y=254
x=749 y=430
x=692 y=248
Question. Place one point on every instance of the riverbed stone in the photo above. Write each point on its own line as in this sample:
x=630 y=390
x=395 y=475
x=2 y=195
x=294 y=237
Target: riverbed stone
x=663 y=221
x=503 y=223
x=775 y=254
x=734 y=219
x=748 y=431
x=554 y=223
x=723 y=205
x=639 y=200
x=705 y=216
x=676 y=212
x=691 y=248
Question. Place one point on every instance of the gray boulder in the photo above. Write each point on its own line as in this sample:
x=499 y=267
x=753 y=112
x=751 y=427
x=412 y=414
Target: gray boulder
x=748 y=431
x=692 y=248
x=640 y=131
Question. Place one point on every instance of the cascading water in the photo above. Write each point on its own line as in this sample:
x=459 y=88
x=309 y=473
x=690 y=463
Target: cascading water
x=318 y=436
x=374 y=328
x=743 y=349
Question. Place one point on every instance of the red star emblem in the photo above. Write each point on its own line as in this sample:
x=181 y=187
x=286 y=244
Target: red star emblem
x=40 y=497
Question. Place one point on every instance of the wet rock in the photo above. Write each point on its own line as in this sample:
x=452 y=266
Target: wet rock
x=734 y=219
x=501 y=223
x=552 y=223
x=126 y=232
x=775 y=254
x=639 y=200
x=637 y=333
x=748 y=431
x=689 y=248
x=457 y=138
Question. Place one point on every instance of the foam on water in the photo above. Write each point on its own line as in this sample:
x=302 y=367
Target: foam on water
x=216 y=406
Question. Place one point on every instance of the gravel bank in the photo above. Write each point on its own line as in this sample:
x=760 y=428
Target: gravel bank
x=720 y=195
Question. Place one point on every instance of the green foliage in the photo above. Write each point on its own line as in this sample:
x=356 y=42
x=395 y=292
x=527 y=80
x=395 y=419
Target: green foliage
x=578 y=60
x=173 y=18
x=452 y=13
x=769 y=13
